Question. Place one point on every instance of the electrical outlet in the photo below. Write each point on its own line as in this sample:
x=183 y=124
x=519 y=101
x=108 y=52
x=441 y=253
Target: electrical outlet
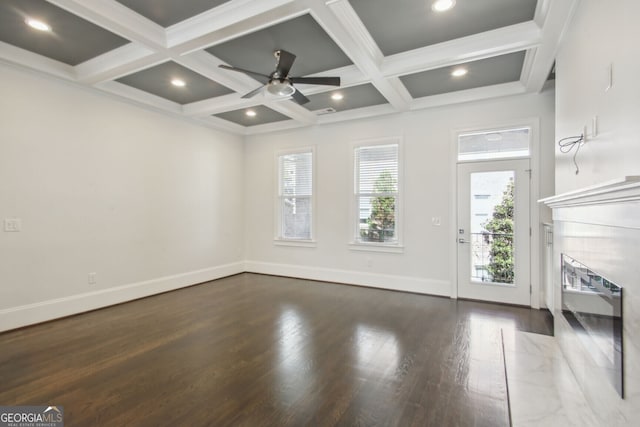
x=92 y=279
x=12 y=225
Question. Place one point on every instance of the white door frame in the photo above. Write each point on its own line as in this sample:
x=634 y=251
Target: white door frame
x=535 y=249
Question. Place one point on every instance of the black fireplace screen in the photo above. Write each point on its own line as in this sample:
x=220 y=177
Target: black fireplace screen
x=593 y=307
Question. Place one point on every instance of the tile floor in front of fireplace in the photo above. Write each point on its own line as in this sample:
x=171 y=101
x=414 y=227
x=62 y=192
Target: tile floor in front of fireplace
x=542 y=389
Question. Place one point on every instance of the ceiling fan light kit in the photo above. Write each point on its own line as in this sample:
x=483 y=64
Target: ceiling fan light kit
x=278 y=88
x=279 y=83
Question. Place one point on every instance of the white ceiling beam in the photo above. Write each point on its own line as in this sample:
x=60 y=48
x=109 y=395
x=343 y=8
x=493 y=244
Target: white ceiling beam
x=293 y=110
x=540 y=15
x=120 y=20
x=208 y=65
x=117 y=63
x=501 y=41
x=16 y=55
x=344 y=26
x=267 y=19
x=220 y=104
x=357 y=113
x=537 y=68
x=469 y=95
x=195 y=33
x=140 y=96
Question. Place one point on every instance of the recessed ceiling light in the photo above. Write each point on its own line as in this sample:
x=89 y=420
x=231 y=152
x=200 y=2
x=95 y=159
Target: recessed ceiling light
x=250 y=113
x=442 y=5
x=337 y=96
x=459 y=72
x=37 y=24
x=178 y=82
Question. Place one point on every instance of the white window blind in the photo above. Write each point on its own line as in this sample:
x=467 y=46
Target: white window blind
x=376 y=193
x=295 y=193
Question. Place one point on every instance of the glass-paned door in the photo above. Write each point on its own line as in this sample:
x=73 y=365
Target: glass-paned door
x=493 y=231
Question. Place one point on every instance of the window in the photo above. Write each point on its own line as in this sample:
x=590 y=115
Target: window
x=376 y=192
x=495 y=144
x=295 y=195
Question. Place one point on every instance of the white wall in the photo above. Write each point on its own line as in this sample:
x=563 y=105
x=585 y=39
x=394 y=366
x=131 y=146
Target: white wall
x=146 y=201
x=428 y=170
x=601 y=34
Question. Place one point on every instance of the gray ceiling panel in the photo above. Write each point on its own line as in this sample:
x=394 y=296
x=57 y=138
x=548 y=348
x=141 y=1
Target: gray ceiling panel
x=169 y=12
x=263 y=116
x=360 y=96
x=72 y=40
x=157 y=80
x=302 y=36
x=486 y=72
x=402 y=25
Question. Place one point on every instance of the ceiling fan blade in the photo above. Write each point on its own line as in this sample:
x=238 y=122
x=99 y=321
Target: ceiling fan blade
x=299 y=97
x=329 y=81
x=285 y=62
x=253 y=92
x=260 y=77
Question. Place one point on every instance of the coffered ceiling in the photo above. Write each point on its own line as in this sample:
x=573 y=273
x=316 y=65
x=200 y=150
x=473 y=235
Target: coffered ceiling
x=392 y=56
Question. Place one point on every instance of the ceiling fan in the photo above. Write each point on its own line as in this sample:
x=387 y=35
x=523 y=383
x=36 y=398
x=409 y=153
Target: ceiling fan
x=280 y=83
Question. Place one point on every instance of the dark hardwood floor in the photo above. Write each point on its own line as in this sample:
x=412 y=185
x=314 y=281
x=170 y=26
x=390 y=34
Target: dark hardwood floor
x=254 y=350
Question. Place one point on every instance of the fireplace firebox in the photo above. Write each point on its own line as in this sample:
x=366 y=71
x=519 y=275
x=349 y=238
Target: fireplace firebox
x=593 y=307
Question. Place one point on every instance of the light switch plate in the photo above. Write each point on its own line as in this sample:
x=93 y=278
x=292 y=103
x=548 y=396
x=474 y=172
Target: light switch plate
x=12 y=225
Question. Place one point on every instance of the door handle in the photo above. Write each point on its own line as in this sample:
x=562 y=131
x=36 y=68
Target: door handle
x=463 y=241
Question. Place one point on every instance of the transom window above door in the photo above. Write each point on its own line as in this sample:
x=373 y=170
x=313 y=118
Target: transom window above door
x=494 y=144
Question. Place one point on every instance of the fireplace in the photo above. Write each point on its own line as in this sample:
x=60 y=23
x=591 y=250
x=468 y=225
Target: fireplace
x=596 y=248
x=592 y=305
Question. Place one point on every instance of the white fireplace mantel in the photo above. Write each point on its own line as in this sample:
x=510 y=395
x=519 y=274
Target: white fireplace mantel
x=626 y=189
x=614 y=203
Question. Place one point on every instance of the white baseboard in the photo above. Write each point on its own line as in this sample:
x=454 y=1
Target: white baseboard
x=16 y=317
x=384 y=281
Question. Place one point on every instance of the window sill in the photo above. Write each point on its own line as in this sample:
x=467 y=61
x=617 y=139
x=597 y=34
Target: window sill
x=295 y=243
x=376 y=247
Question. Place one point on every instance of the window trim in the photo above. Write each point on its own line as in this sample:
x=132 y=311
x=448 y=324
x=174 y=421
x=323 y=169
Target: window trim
x=278 y=240
x=490 y=129
x=354 y=243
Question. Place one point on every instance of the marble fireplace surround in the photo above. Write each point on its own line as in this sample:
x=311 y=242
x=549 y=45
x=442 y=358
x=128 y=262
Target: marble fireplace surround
x=600 y=227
